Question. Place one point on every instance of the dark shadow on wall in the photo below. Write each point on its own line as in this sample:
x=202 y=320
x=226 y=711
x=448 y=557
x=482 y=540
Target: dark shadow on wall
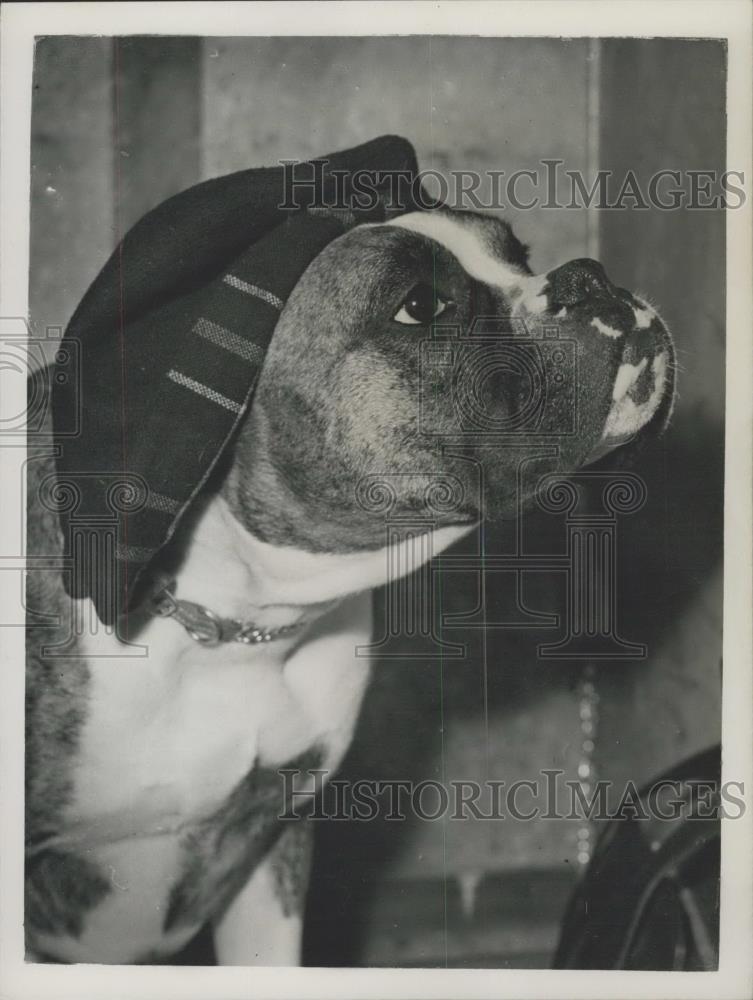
x=668 y=551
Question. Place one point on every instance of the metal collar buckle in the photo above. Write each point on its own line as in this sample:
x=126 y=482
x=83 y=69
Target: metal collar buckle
x=207 y=628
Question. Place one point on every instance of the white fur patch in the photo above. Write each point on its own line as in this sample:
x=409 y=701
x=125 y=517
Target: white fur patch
x=466 y=244
x=627 y=417
x=644 y=317
x=626 y=377
x=608 y=331
x=534 y=300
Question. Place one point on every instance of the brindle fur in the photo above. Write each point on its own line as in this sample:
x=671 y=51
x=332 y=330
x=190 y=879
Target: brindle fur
x=291 y=863
x=223 y=850
x=60 y=885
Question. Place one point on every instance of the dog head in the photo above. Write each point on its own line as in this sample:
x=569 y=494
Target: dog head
x=422 y=357
x=327 y=371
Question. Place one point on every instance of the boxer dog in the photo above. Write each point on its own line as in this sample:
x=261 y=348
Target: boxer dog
x=153 y=791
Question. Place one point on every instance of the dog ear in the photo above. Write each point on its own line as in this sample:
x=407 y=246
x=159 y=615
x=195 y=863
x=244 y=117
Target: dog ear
x=171 y=337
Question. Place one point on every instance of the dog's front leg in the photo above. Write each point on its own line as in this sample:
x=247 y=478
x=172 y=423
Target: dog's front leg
x=264 y=923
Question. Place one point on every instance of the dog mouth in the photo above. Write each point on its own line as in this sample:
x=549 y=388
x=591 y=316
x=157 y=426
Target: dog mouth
x=643 y=388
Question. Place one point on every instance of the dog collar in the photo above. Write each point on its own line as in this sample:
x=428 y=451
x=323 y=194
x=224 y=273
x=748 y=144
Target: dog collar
x=207 y=628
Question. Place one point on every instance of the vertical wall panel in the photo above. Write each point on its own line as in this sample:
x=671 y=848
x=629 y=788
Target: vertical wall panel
x=115 y=129
x=71 y=174
x=663 y=108
x=465 y=103
x=156 y=127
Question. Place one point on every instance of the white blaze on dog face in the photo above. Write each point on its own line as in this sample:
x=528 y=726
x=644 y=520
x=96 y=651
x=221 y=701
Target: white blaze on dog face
x=474 y=241
x=466 y=243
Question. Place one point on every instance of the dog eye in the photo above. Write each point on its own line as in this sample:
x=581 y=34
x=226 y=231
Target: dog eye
x=420 y=306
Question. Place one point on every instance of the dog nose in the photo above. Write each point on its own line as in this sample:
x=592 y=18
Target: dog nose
x=576 y=282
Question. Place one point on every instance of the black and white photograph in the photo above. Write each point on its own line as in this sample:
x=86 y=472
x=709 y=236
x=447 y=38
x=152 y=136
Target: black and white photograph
x=377 y=440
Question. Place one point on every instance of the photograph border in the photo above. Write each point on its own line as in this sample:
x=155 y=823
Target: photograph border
x=729 y=19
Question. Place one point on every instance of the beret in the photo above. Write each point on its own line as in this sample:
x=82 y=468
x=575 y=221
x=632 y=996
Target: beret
x=170 y=339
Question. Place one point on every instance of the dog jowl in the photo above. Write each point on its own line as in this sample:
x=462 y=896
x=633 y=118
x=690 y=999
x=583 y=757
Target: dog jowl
x=246 y=384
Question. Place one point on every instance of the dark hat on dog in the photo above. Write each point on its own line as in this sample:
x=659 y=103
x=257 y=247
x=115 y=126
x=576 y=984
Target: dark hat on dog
x=171 y=337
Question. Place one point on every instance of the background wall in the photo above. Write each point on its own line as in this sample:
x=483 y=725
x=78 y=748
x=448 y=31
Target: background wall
x=120 y=125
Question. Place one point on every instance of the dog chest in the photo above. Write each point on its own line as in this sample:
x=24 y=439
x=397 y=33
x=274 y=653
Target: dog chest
x=175 y=789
